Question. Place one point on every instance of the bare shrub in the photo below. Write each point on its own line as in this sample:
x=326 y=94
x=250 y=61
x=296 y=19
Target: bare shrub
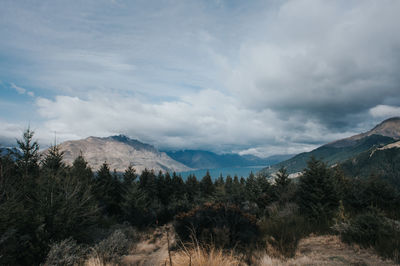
x=66 y=252
x=111 y=249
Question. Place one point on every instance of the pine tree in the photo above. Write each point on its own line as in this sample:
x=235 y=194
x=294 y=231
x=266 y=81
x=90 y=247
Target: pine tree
x=81 y=170
x=179 y=186
x=282 y=179
x=53 y=160
x=206 y=186
x=192 y=188
x=108 y=190
x=129 y=176
x=28 y=159
x=318 y=198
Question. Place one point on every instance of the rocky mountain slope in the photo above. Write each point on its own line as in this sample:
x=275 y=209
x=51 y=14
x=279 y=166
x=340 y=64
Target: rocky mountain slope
x=341 y=150
x=120 y=152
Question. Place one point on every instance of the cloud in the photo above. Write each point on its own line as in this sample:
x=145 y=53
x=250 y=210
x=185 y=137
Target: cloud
x=329 y=61
x=385 y=111
x=207 y=119
x=259 y=77
x=21 y=90
x=18 y=89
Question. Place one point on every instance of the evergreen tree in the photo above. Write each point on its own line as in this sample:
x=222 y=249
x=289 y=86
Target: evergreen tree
x=192 y=188
x=108 y=191
x=129 y=176
x=252 y=189
x=206 y=186
x=53 y=160
x=318 y=198
x=81 y=170
x=219 y=181
x=228 y=185
x=28 y=159
x=179 y=186
x=282 y=180
x=281 y=185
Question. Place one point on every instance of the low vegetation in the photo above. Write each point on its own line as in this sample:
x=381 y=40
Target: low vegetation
x=67 y=215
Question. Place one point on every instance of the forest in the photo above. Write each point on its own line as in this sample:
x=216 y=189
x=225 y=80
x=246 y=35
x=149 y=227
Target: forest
x=55 y=214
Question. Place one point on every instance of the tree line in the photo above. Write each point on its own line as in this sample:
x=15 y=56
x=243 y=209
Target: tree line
x=43 y=201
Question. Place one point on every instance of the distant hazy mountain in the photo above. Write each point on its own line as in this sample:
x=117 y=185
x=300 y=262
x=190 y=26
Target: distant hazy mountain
x=383 y=162
x=338 y=151
x=207 y=160
x=119 y=152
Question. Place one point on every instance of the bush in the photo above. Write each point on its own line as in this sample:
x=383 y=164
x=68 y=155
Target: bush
x=283 y=230
x=372 y=229
x=66 y=252
x=111 y=249
x=223 y=225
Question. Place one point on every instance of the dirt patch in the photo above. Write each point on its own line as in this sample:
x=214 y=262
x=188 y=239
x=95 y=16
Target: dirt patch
x=152 y=250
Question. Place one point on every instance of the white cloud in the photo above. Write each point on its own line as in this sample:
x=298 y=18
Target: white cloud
x=385 y=111
x=18 y=89
x=204 y=120
x=21 y=90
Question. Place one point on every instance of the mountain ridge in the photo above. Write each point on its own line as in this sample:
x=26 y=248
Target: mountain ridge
x=386 y=132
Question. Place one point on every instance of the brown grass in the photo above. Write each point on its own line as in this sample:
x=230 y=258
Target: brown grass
x=199 y=256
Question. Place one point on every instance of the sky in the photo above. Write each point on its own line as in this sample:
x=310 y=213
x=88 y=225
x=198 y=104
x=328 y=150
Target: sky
x=250 y=77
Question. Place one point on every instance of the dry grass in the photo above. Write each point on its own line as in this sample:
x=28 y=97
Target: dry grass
x=326 y=250
x=199 y=256
x=313 y=250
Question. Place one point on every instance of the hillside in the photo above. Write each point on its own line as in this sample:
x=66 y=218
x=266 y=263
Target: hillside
x=338 y=151
x=207 y=160
x=119 y=152
x=383 y=162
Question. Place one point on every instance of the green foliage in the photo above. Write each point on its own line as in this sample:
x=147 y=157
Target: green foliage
x=317 y=196
x=281 y=186
x=53 y=160
x=192 y=188
x=136 y=207
x=206 y=186
x=221 y=224
x=108 y=191
x=283 y=229
x=81 y=170
x=383 y=163
x=28 y=160
x=372 y=229
x=359 y=194
x=129 y=176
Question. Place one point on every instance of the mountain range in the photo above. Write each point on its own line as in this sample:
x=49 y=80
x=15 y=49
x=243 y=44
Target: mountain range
x=342 y=150
x=120 y=152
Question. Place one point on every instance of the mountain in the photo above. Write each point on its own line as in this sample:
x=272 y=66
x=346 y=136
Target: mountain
x=120 y=152
x=383 y=162
x=208 y=160
x=339 y=151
